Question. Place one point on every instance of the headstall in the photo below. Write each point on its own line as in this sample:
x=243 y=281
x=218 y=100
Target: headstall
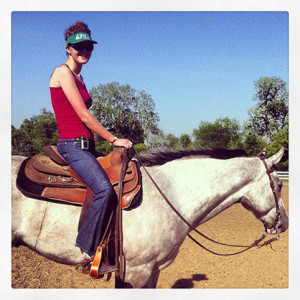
x=272 y=185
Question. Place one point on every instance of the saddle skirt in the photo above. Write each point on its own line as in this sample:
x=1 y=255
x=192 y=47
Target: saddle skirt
x=50 y=177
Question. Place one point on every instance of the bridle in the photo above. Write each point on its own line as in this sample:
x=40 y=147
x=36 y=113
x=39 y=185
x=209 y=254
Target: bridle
x=272 y=185
x=192 y=228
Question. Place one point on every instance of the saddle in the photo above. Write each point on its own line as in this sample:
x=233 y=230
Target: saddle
x=49 y=177
x=57 y=181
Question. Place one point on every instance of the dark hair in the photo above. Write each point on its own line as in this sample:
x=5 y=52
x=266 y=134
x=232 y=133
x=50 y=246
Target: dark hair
x=76 y=27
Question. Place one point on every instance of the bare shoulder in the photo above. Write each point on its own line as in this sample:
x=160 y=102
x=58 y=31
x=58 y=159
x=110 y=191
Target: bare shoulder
x=62 y=70
x=57 y=74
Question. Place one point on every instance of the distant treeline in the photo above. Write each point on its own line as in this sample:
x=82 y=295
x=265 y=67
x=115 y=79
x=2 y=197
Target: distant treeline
x=129 y=113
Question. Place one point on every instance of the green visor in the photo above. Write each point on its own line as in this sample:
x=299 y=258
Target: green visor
x=79 y=37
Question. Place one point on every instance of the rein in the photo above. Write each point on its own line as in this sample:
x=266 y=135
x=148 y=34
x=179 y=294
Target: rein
x=247 y=247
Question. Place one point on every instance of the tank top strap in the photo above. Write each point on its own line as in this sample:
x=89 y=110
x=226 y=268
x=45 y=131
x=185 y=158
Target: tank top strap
x=75 y=76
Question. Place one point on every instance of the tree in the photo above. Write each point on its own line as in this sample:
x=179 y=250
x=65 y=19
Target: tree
x=34 y=133
x=125 y=111
x=16 y=140
x=185 y=141
x=223 y=133
x=171 y=141
x=278 y=140
x=270 y=113
x=156 y=141
x=140 y=148
x=253 y=144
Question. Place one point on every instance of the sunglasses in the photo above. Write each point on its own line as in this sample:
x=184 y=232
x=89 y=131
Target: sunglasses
x=80 y=47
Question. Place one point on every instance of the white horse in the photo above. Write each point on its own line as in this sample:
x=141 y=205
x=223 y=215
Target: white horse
x=198 y=183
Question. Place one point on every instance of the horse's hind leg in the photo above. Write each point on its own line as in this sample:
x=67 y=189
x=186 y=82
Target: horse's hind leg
x=120 y=284
x=16 y=240
x=152 y=282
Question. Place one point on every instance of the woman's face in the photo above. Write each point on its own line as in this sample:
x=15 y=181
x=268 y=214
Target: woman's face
x=81 y=52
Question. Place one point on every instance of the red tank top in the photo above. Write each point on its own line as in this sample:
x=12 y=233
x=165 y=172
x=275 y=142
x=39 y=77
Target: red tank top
x=69 y=124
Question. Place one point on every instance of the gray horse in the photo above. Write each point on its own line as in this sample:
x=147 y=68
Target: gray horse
x=199 y=184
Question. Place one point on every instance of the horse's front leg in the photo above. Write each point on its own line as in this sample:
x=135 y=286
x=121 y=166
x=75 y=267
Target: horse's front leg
x=138 y=277
x=152 y=282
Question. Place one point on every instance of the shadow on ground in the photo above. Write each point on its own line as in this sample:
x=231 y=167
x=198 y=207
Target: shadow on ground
x=188 y=283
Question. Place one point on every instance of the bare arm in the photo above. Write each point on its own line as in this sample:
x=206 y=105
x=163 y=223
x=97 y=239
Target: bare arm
x=67 y=83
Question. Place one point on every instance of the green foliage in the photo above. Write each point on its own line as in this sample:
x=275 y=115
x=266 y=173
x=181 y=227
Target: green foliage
x=103 y=148
x=185 y=141
x=141 y=148
x=34 y=133
x=270 y=113
x=223 y=133
x=171 y=141
x=125 y=111
x=253 y=144
x=16 y=140
x=278 y=140
x=155 y=141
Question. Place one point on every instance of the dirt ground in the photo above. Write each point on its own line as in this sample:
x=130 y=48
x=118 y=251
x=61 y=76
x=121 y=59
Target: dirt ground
x=193 y=267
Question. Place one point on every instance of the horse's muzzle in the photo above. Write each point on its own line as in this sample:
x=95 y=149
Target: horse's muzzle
x=281 y=225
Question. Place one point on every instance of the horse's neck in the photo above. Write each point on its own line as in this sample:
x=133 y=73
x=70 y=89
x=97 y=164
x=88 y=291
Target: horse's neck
x=202 y=188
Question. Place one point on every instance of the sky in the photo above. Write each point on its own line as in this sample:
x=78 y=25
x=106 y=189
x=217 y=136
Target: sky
x=197 y=66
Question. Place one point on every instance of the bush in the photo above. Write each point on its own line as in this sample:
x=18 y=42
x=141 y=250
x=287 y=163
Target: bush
x=140 y=148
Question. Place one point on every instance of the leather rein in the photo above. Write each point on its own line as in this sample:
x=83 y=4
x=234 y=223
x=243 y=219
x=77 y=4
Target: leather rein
x=247 y=247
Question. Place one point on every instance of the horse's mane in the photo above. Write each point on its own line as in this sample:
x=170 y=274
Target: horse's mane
x=163 y=156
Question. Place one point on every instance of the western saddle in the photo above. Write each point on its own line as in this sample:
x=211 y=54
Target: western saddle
x=62 y=183
x=49 y=177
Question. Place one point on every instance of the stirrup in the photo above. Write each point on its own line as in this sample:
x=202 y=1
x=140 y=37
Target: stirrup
x=94 y=270
x=97 y=268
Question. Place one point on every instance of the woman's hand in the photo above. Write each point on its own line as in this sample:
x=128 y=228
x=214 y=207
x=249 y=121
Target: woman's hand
x=122 y=143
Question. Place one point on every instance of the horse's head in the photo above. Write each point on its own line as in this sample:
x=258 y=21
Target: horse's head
x=263 y=195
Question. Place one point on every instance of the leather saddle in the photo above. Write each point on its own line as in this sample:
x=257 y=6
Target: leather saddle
x=50 y=177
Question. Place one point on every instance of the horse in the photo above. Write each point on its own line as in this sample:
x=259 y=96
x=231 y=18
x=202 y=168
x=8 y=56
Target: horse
x=199 y=183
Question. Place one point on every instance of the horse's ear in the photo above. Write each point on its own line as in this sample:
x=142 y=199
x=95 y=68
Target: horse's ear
x=275 y=158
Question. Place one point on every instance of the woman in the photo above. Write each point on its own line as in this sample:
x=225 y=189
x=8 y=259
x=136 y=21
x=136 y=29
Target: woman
x=71 y=101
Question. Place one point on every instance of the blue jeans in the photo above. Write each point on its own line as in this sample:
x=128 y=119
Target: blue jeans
x=87 y=167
